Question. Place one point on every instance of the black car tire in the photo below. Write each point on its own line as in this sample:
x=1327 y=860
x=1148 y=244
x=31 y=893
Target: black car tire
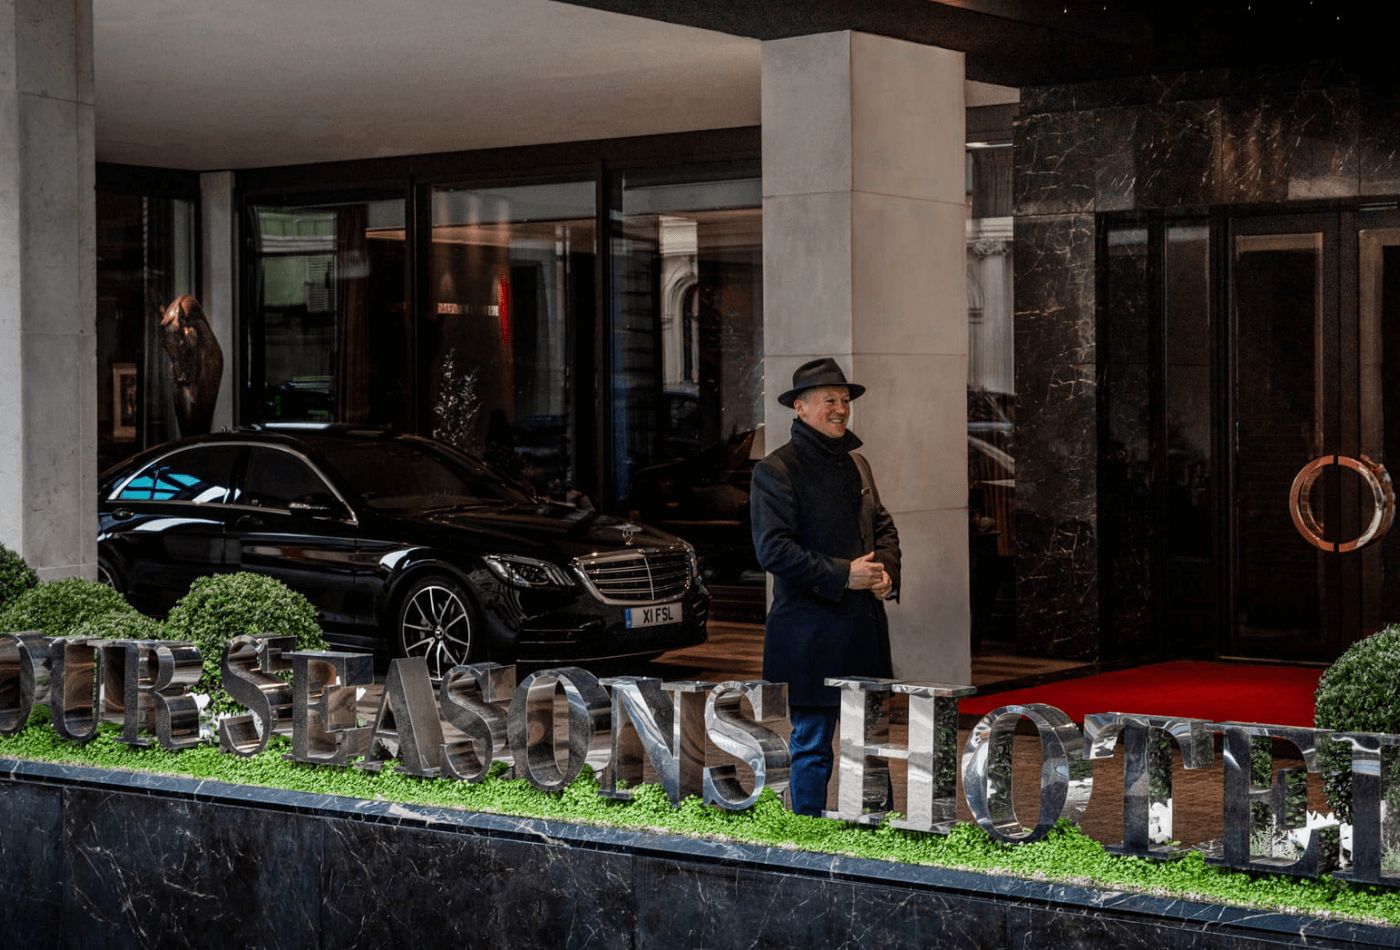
x=109 y=575
x=437 y=620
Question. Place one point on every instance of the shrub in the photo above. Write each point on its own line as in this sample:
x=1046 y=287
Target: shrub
x=121 y=626
x=58 y=608
x=1360 y=692
x=224 y=606
x=16 y=576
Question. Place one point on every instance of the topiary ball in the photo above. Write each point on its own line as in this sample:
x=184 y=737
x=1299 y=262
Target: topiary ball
x=1360 y=692
x=225 y=606
x=121 y=626
x=16 y=576
x=58 y=608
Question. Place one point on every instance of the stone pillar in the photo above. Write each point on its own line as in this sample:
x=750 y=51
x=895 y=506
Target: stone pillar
x=48 y=262
x=217 y=276
x=864 y=259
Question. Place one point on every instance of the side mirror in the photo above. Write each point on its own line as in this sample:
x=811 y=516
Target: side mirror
x=317 y=505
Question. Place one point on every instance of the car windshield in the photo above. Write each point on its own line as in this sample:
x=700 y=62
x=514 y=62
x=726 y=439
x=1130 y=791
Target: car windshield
x=403 y=476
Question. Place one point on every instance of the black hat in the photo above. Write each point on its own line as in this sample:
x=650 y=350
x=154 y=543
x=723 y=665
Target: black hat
x=822 y=372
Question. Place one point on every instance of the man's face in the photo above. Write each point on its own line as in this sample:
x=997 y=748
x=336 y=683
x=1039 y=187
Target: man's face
x=825 y=408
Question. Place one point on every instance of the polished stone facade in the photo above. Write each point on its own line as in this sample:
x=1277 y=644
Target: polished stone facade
x=94 y=858
x=1177 y=143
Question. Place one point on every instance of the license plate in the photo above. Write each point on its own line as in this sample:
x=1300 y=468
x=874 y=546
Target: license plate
x=653 y=616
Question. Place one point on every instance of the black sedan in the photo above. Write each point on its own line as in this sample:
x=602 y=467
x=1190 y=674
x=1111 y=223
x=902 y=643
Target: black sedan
x=404 y=545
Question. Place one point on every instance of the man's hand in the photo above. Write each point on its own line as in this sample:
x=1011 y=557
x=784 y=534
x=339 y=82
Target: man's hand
x=883 y=589
x=867 y=573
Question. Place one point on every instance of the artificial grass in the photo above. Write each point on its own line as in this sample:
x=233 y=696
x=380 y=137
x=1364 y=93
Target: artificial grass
x=1066 y=855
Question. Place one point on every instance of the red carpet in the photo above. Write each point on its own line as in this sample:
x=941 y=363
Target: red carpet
x=1281 y=695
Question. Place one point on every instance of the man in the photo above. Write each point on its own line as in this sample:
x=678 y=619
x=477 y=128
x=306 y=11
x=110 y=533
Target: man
x=820 y=530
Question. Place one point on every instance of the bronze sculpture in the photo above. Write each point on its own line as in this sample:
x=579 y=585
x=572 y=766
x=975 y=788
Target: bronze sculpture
x=196 y=363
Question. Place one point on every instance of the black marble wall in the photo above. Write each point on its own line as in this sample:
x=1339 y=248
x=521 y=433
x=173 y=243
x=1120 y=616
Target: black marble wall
x=90 y=858
x=1055 y=444
x=1175 y=143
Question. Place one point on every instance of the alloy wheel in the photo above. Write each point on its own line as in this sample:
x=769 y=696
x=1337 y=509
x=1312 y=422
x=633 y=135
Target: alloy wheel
x=436 y=625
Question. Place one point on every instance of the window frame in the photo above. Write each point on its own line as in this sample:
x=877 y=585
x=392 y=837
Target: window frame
x=707 y=155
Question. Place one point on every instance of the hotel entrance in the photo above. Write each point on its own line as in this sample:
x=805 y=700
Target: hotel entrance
x=1249 y=419
x=1314 y=423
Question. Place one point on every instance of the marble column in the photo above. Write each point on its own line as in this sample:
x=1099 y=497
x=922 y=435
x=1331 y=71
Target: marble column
x=864 y=260
x=217 y=276
x=48 y=260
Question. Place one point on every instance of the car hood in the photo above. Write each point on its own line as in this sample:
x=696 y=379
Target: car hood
x=562 y=529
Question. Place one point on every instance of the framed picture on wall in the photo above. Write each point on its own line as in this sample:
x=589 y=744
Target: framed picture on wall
x=124 y=402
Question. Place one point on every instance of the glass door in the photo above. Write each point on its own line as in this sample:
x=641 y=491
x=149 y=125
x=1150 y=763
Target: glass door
x=1286 y=419
x=1377 y=395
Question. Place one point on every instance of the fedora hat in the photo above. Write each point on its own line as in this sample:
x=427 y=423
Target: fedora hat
x=822 y=372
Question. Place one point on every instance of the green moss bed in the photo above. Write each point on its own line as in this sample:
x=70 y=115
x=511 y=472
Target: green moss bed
x=1067 y=855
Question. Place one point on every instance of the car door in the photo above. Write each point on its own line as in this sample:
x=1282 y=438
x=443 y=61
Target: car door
x=163 y=527
x=311 y=551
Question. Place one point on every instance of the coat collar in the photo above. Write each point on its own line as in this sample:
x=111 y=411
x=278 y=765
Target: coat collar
x=807 y=437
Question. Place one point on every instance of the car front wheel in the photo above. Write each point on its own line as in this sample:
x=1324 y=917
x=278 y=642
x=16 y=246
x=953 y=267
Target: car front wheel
x=107 y=574
x=436 y=621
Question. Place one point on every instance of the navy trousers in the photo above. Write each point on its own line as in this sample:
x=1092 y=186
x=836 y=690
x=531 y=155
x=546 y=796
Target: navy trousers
x=810 y=746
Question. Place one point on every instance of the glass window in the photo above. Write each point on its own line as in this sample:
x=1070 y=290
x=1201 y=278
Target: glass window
x=1187 y=336
x=511 y=290
x=145 y=259
x=1127 y=486
x=1186 y=287
x=687 y=361
x=1281 y=304
x=991 y=398
x=1380 y=391
x=329 y=339
x=276 y=478
x=201 y=476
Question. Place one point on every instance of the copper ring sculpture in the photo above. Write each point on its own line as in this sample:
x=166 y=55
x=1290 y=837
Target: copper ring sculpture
x=1382 y=493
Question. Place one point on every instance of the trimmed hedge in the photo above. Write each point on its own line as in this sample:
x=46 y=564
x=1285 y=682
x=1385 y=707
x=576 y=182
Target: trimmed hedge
x=16 y=576
x=224 y=606
x=1360 y=692
x=122 y=626
x=58 y=608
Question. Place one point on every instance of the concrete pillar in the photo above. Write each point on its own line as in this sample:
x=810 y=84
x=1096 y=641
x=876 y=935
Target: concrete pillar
x=217 y=277
x=864 y=259
x=48 y=261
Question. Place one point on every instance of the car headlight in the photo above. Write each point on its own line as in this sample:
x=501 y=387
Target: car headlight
x=694 y=559
x=520 y=571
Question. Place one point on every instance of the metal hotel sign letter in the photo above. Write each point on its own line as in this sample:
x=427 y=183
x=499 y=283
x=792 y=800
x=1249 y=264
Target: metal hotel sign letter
x=479 y=714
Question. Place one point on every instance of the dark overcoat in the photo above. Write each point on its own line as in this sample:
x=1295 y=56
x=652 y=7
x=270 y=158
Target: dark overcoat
x=812 y=515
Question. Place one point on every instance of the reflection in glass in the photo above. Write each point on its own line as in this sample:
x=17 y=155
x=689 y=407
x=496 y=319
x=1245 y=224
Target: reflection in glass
x=1278 y=428
x=329 y=341
x=1188 y=335
x=275 y=479
x=145 y=259
x=1127 y=522
x=511 y=283
x=1155 y=499
x=687 y=363
x=1380 y=430
x=991 y=388
x=201 y=476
